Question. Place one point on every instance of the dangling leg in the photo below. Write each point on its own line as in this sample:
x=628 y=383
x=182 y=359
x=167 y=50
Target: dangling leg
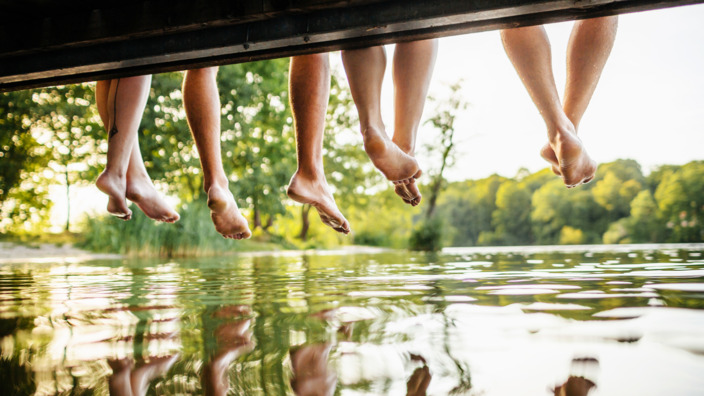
x=139 y=188
x=122 y=108
x=309 y=89
x=588 y=49
x=529 y=51
x=365 y=73
x=412 y=71
x=202 y=103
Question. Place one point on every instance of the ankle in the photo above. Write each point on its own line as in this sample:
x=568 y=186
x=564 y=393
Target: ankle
x=561 y=130
x=310 y=172
x=220 y=182
x=406 y=147
x=113 y=174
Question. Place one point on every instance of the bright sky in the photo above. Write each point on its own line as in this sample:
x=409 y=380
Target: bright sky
x=649 y=105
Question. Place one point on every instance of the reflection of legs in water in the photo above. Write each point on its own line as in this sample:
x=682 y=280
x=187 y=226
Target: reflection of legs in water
x=126 y=381
x=418 y=384
x=412 y=69
x=365 y=73
x=578 y=384
x=120 y=104
x=309 y=88
x=202 y=104
x=311 y=374
x=589 y=47
x=233 y=340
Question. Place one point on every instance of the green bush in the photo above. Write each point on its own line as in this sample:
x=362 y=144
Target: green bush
x=192 y=235
x=428 y=235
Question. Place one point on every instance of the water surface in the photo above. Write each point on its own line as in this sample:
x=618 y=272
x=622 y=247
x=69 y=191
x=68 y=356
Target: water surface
x=508 y=321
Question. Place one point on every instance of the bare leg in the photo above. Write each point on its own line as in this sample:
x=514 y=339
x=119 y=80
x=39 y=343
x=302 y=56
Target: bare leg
x=202 y=104
x=365 y=73
x=138 y=186
x=234 y=339
x=309 y=87
x=588 y=49
x=311 y=374
x=146 y=373
x=529 y=51
x=412 y=71
x=125 y=103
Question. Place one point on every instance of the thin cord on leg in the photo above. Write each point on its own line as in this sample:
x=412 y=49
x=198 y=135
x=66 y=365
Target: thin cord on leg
x=113 y=130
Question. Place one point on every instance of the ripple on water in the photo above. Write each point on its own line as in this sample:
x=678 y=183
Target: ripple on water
x=687 y=287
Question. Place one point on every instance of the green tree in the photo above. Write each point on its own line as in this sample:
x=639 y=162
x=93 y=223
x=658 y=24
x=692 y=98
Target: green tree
x=512 y=217
x=680 y=198
x=645 y=224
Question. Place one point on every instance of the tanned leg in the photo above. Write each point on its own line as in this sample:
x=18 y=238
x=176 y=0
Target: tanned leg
x=365 y=73
x=412 y=70
x=588 y=49
x=202 y=103
x=309 y=89
x=529 y=51
x=138 y=187
x=126 y=98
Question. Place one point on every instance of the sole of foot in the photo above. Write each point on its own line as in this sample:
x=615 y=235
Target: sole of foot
x=227 y=219
x=145 y=196
x=317 y=195
x=408 y=192
x=394 y=164
x=569 y=160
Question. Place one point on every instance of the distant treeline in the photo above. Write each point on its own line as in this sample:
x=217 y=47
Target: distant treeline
x=620 y=205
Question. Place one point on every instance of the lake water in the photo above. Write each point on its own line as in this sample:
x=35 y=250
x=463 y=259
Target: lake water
x=490 y=321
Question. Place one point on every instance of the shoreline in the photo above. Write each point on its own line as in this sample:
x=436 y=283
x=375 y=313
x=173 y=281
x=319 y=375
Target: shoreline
x=18 y=252
x=22 y=253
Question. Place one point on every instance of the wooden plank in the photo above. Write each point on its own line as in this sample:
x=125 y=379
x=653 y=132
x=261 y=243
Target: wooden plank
x=158 y=35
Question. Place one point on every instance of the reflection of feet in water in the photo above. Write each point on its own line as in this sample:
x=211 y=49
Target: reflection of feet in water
x=234 y=339
x=311 y=374
x=418 y=384
x=581 y=380
x=126 y=381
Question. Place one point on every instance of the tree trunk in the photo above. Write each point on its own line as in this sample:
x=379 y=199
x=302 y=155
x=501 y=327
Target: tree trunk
x=305 y=222
x=437 y=183
x=257 y=219
x=68 y=200
x=269 y=223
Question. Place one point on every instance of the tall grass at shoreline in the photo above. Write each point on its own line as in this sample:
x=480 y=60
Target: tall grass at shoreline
x=192 y=235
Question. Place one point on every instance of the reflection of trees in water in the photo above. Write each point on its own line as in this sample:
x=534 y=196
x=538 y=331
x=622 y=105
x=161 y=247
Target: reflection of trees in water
x=69 y=320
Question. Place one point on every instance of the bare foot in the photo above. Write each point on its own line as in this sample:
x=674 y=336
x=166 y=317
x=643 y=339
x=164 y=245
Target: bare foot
x=396 y=165
x=141 y=191
x=226 y=217
x=317 y=193
x=409 y=191
x=548 y=155
x=115 y=188
x=576 y=167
